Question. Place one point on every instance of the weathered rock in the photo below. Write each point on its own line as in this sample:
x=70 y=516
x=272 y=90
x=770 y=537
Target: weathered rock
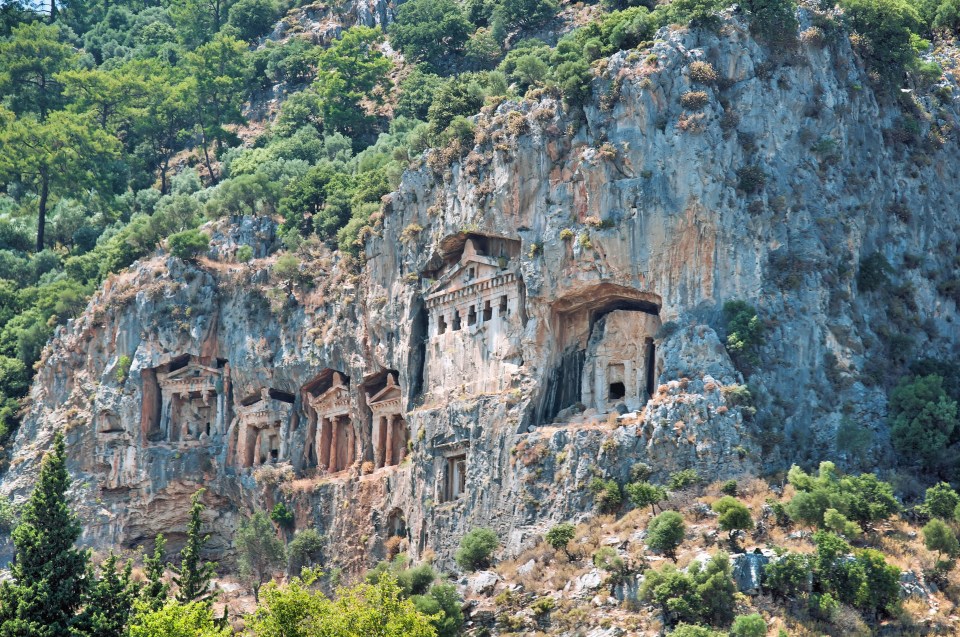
x=482 y=582
x=748 y=571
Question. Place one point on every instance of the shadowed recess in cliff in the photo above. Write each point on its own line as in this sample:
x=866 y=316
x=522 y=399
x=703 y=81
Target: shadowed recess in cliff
x=604 y=350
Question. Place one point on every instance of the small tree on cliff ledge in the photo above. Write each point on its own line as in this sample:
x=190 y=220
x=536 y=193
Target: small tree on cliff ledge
x=49 y=572
x=193 y=576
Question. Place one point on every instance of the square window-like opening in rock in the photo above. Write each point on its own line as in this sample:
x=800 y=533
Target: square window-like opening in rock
x=617 y=391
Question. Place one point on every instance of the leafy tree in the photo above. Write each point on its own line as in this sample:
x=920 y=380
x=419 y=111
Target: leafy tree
x=734 y=516
x=606 y=494
x=188 y=244
x=429 y=30
x=666 y=532
x=684 y=479
x=560 y=535
x=462 y=95
x=838 y=523
x=939 y=537
x=864 y=499
x=109 y=602
x=61 y=155
x=304 y=550
x=774 y=20
x=417 y=92
x=352 y=69
x=156 y=591
x=788 y=577
x=752 y=625
x=197 y=21
x=476 y=548
x=941 y=501
x=49 y=574
x=643 y=494
x=866 y=582
x=365 y=610
x=443 y=606
x=744 y=330
x=252 y=18
x=217 y=73
x=260 y=552
x=33 y=57
x=705 y=593
x=521 y=14
x=924 y=421
x=191 y=619
x=193 y=575
x=887 y=26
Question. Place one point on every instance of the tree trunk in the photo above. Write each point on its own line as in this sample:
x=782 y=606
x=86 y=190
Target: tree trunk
x=42 y=216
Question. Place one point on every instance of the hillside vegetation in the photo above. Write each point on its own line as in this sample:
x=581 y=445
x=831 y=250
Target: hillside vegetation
x=125 y=127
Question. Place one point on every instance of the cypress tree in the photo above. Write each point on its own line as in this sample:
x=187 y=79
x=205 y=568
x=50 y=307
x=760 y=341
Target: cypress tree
x=193 y=576
x=109 y=602
x=49 y=574
x=156 y=591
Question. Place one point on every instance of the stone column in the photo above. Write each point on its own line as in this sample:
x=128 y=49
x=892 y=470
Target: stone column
x=256 y=449
x=334 y=435
x=351 y=442
x=166 y=408
x=378 y=436
x=389 y=443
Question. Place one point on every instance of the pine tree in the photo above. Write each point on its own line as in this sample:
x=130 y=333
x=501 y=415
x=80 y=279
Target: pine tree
x=193 y=576
x=156 y=591
x=109 y=603
x=49 y=574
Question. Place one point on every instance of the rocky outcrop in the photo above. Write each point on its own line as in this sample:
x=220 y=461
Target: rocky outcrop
x=469 y=373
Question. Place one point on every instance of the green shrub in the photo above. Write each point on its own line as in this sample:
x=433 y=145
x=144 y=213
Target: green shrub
x=693 y=630
x=252 y=18
x=702 y=72
x=188 y=244
x=874 y=273
x=244 y=254
x=606 y=494
x=734 y=516
x=304 y=550
x=282 y=516
x=749 y=626
x=443 y=604
x=924 y=421
x=606 y=558
x=429 y=30
x=940 y=538
x=729 y=488
x=751 y=179
x=704 y=594
x=941 y=501
x=787 y=577
x=866 y=582
x=683 y=479
x=476 y=548
x=888 y=26
x=666 y=532
x=744 y=330
x=863 y=499
x=560 y=535
x=644 y=494
x=123 y=368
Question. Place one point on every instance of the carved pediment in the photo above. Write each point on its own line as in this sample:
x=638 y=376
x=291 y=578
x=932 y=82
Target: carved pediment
x=387 y=399
x=484 y=268
x=333 y=402
x=263 y=413
x=191 y=378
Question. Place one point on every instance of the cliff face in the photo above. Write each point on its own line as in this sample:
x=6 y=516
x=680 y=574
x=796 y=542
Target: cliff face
x=486 y=364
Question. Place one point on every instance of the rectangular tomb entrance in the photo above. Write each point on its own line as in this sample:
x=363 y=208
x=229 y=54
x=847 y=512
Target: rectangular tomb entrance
x=389 y=428
x=260 y=423
x=192 y=401
x=336 y=439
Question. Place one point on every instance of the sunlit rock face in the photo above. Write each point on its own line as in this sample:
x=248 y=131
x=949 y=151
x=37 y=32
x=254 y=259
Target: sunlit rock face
x=543 y=310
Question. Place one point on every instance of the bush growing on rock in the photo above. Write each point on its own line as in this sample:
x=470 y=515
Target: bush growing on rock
x=941 y=539
x=704 y=594
x=744 y=330
x=476 y=548
x=684 y=479
x=644 y=494
x=666 y=532
x=442 y=604
x=694 y=99
x=941 y=501
x=244 y=254
x=749 y=626
x=188 y=244
x=787 y=577
x=304 y=550
x=560 y=536
x=924 y=421
x=606 y=495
